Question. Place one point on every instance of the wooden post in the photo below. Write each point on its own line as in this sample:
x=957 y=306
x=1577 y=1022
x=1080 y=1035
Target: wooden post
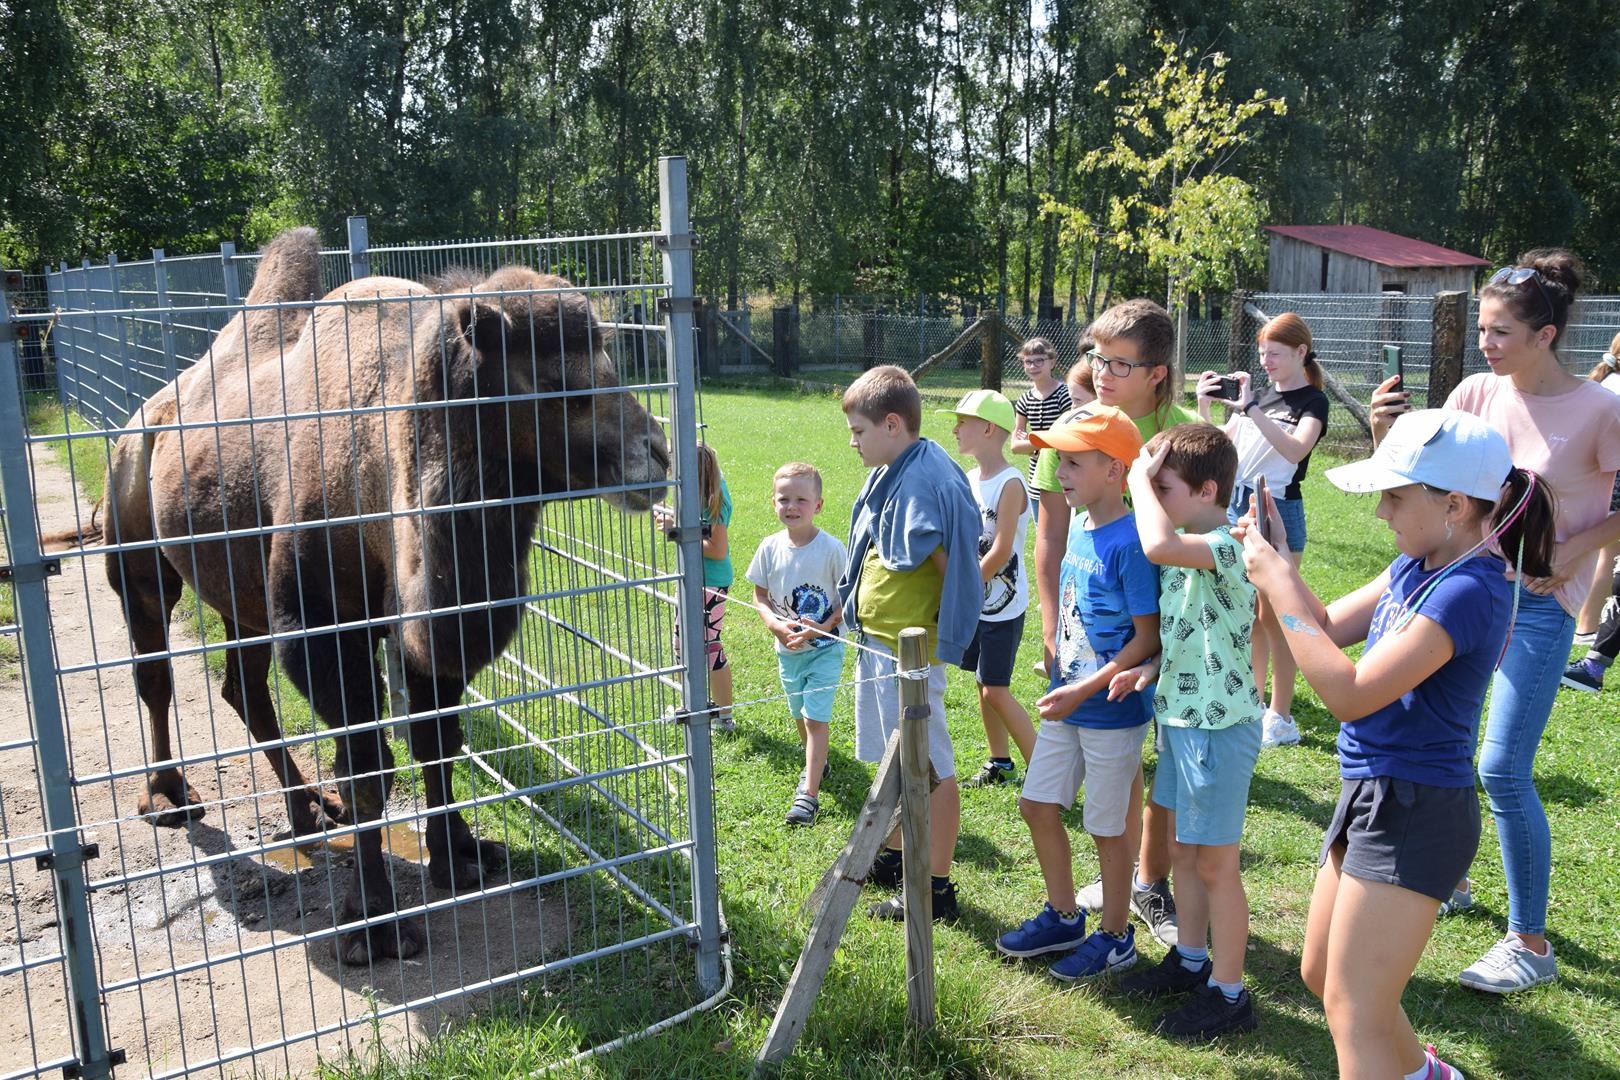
x=840 y=888
x=781 y=344
x=916 y=887
x=1446 y=346
x=990 y=354
x=1239 y=340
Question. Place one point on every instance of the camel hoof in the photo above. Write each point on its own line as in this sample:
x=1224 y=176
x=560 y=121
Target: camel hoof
x=162 y=809
x=468 y=867
x=399 y=940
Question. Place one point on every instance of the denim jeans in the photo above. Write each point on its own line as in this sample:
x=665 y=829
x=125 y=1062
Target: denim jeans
x=1521 y=700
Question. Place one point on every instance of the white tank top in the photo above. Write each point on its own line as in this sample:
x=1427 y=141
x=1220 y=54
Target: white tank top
x=1006 y=596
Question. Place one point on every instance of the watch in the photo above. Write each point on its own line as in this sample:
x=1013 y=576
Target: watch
x=1252 y=403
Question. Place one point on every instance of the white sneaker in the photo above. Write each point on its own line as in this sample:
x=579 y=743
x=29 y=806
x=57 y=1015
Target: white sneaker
x=1509 y=967
x=1277 y=729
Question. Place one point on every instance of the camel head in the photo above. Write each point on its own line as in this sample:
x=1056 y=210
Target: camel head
x=522 y=341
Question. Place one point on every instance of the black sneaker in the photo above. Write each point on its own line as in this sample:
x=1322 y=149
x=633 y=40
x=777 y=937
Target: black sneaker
x=990 y=775
x=1157 y=908
x=1170 y=976
x=886 y=869
x=803 y=810
x=1208 y=1015
x=1584 y=675
x=894 y=908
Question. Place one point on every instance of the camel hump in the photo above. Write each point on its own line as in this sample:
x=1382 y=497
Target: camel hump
x=289 y=269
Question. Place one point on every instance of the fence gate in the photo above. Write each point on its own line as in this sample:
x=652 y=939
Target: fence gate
x=342 y=703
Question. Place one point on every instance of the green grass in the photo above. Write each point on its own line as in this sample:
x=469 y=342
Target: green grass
x=1001 y=1019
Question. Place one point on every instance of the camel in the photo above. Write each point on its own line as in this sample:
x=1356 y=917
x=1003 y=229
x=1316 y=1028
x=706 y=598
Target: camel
x=298 y=510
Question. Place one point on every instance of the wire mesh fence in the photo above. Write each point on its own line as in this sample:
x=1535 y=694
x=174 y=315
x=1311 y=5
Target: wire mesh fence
x=352 y=704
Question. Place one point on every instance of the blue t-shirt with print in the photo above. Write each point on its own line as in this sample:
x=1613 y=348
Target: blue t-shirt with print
x=1428 y=735
x=1105 y=579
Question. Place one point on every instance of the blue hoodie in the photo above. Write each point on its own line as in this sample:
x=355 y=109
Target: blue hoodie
x=919 y=502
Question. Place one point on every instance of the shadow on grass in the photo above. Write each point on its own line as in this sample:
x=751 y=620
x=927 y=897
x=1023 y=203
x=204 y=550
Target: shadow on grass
x=1270 y=791
x=1567 y=790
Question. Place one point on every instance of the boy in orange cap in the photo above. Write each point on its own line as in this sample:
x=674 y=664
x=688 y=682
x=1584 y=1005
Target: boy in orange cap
x=1094 y=717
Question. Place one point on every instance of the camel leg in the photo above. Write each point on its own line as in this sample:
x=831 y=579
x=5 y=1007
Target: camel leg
x=150 y=588
x=456 y=858
x=338 y=673
x=246 y=689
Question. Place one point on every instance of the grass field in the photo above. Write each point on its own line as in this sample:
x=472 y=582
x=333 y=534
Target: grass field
x=1005 y=1019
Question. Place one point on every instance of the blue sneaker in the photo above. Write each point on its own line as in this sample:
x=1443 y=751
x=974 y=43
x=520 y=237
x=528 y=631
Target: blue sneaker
x=1045 y=933
x=1100 y=954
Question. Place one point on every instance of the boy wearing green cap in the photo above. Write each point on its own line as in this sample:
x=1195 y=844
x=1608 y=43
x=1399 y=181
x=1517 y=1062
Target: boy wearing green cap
x=984 y=420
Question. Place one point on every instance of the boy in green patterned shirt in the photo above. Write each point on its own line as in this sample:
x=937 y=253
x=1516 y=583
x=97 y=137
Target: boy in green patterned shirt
x=1208 y=720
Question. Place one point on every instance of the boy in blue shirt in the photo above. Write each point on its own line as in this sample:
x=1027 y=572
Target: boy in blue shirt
x=913 y=561
x=1209 y=721
x=1095 y=716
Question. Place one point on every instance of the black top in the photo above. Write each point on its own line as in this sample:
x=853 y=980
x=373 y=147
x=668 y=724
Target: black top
x=1257 y=457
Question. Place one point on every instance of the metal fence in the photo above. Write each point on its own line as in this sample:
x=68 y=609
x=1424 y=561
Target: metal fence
x=417 y=740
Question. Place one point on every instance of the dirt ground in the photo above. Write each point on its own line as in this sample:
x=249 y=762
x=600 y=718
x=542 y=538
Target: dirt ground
x=205 y=930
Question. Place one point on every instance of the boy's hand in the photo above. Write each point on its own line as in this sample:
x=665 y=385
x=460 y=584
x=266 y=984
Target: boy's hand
x=1132 y=680
x=804 y=633
x=1060 y=702
x=1147 y=465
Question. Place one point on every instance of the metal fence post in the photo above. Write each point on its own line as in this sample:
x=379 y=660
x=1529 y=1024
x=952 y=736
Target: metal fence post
x=160 y=283
x=67 y=850
x=126 y=373
x=677 y=245
x=359 y=261
x=228 y=270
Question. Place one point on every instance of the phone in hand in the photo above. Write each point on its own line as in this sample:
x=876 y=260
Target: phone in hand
x=1392 y=362
x=1262 y=508
x=1230 y=389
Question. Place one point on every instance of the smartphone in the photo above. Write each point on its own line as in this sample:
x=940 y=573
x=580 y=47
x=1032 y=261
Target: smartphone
x=1392 y=362
x=1230 y=389
x=1262 y=508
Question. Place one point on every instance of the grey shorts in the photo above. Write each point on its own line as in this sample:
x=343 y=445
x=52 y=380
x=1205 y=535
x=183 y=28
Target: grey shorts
x=1416 y=836
x=1105 y=760
x=877 y=709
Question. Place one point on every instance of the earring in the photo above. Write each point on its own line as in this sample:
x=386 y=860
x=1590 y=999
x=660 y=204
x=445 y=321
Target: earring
x=1450 y=528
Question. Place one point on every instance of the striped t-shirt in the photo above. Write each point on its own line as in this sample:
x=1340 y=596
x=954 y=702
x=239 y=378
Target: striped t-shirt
x=1040 y=413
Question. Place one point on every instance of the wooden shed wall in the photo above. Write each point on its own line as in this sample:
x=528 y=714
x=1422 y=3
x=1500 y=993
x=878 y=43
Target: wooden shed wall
x=1295 y=266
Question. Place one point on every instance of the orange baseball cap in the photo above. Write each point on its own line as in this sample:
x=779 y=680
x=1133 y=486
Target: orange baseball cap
x=1093 y=426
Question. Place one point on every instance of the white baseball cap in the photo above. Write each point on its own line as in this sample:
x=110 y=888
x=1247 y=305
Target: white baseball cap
x=1444 y=448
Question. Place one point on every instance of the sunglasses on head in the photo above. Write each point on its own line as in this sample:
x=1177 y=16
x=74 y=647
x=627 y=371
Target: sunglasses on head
x=1518 y=275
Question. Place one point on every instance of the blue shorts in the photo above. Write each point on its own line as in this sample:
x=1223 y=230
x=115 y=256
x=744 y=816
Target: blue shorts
x=1203 y=775
x=810 y=677
x=1292 y=511
x=994 y=651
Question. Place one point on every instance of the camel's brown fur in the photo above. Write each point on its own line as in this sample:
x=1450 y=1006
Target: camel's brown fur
x=422 y=349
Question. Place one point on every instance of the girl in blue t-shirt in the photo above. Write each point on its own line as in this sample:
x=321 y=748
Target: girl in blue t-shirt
x=1407 y=822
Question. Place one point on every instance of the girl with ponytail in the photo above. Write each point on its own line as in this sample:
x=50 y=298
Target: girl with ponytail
x=1275 y=430
x=1437 y=625
x=1567 y=430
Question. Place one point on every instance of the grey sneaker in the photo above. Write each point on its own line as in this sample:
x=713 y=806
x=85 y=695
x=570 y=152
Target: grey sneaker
x=1157 y=908
x=1509 y=967
x=1461 y=900
x=803 y=810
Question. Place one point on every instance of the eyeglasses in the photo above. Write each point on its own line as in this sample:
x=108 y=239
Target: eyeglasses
x=1119 y=369
x=1518 y=275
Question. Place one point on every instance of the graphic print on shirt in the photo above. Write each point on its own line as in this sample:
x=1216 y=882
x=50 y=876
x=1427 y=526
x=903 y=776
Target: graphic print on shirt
x=810 y=601
x=1082 y=649
x=1002 y=588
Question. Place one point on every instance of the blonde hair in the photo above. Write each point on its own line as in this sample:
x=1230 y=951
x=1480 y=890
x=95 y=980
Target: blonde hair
x=709 y=481
x=1604 y=368
x=795 y=470
x=883 y=390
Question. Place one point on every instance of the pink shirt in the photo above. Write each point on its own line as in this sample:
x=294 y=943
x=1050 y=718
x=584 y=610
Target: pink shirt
x=1572 y=440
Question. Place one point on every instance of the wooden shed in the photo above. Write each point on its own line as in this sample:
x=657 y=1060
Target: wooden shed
x=1358 y=259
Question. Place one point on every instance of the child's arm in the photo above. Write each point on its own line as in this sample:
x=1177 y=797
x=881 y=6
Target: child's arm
x=1019 y=442
x=1160 y=541
x=1133 y=679
x=716 y=544
x=1349 y=618
x=1009 y=507
x=1063 y=700
x=808 y=635
x=777 y=625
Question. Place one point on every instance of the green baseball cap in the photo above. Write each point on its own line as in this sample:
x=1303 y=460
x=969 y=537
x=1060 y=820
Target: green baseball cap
x=985 y=405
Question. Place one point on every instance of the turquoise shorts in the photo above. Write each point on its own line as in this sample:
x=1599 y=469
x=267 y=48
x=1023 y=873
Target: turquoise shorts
x=810 y=677
x=1203 y=775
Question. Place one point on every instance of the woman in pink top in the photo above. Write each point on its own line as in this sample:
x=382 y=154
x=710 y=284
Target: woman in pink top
x=1567 y=429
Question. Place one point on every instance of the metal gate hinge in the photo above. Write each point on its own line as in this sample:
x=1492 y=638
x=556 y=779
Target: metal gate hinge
x=47 y=860
x=678 y=242
x=76 y=1070
x=680 y=305
x=31 y=572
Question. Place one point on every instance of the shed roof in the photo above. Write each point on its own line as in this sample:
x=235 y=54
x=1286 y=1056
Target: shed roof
x=1376 y=245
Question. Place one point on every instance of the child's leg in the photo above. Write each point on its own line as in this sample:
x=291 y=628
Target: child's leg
x=815 y=754
x=1313 y=956
x=798 y=722
x=720 y=689
x=1228 y=909
x=1003 y=712
x=1377 y=934
x=1114 y=861
x=944 y=822
x=1154 y=857
x=1192 y=900
x=1052 y=851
